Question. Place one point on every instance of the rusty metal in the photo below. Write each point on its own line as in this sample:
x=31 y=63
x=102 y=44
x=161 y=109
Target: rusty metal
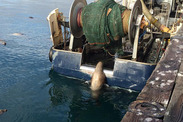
x=79 y=20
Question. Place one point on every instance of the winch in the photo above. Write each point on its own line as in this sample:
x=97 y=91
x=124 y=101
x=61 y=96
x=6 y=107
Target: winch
x=103 y=21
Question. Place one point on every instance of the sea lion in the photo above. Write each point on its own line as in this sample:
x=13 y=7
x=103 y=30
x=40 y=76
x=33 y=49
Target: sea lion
x=98 y=77
x=2 y=111
x=31 y=17
x=17 y=34
x=2 y=42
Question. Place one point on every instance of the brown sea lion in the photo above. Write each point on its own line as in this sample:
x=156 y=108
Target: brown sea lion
x=98 y=77
x=2 y=111
x=17 y=34
x=2 y=42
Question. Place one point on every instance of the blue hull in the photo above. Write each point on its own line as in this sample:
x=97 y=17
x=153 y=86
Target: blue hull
x=126 y=73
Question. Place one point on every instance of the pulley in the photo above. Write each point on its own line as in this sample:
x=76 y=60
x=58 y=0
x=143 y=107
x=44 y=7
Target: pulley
x=74 y=17
x=135 y=11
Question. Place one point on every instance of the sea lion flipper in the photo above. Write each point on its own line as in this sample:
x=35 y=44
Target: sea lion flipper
x=106 y=85
x=87 y=82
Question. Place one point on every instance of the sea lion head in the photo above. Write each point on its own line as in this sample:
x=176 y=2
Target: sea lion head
x=98 y=77
x=3 y=110
x=99 y=67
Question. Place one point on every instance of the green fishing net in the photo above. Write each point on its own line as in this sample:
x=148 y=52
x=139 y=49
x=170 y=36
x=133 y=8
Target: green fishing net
x=102 y=23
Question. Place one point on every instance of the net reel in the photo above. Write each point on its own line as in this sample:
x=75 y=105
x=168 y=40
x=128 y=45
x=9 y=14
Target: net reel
x=76 y=22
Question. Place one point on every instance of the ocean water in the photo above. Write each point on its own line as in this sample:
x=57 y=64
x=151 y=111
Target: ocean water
x=29 y=89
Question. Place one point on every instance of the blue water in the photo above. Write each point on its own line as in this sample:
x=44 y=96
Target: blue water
x=29 y=89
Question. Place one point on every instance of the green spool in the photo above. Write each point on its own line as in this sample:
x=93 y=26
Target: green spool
x=102 y=23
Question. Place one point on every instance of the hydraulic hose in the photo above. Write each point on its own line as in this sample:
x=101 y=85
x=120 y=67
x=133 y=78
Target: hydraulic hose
x=153 y=20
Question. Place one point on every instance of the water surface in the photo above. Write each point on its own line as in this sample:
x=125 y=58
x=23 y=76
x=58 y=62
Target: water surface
x=29 y=89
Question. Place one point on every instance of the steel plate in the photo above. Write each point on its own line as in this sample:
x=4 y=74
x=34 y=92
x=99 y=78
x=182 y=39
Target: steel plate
x=136 y=10
x=74 y=28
